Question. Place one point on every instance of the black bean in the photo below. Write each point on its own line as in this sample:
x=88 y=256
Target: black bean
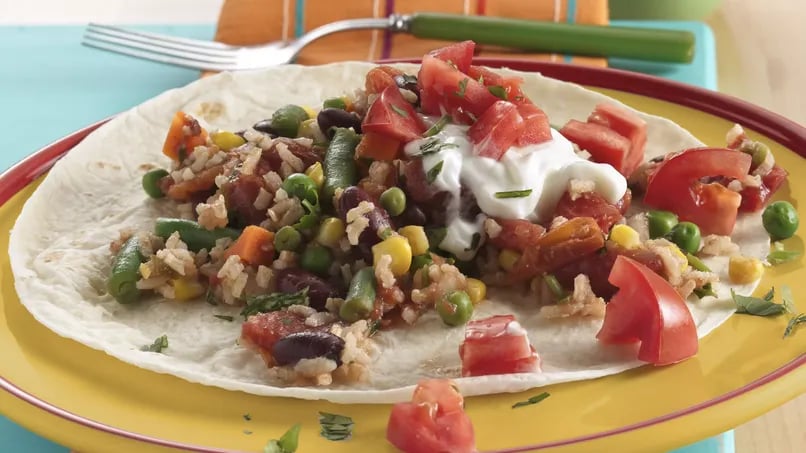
x=307 y=345
x=408 y=82
x=412 y=215
x=330 y=118
x=265 y=127
x=294 y=280
x=468 y=207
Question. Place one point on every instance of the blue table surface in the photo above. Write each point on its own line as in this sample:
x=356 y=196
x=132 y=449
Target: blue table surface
x=51 y=86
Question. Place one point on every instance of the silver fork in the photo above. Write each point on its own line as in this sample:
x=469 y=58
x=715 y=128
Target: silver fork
x=215 y=56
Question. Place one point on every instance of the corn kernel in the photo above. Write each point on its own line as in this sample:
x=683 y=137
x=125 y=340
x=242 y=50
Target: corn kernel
x=417 y=238
x=185 y=289
x=330 y=232
x=399 y=249
x=316 y=173
x=507 y=259
x=310 y=111
x=683 y=258
x=227 y=140
x=348 y=103
x=476 y=289
x=625 y=236
x=145 y=270
x=743 y=270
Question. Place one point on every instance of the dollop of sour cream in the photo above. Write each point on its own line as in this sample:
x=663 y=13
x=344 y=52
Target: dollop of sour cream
x=538 y=173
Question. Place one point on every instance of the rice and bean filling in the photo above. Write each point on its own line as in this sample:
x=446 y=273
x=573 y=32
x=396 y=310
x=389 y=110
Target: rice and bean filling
x=282 y=220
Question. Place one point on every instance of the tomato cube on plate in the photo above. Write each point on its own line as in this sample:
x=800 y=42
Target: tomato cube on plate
x=392 y=116
x=380 y=77
x=497 y=345
x=627 y=124
x=755 y=198
x=604 y=144
x=536 y=127
x=459 y=54
x=511 y=85
x=450 y=89
x=496 y=130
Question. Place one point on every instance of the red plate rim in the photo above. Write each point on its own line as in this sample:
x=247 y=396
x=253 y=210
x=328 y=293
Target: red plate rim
x=784 y=131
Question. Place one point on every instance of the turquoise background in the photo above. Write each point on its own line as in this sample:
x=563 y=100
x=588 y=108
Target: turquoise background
x=50 y=86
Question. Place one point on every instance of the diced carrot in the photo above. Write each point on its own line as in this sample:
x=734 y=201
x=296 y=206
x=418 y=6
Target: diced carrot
x=184 y=134
x=254 y=246
x=377 y=146
x=381 y=77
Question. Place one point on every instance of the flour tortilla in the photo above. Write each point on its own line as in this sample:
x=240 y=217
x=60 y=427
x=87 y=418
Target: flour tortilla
x=60 y=252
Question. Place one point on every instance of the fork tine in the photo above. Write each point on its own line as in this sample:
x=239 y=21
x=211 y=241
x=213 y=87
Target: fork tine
x=159 y=58
x=128 y=36
x=158 y=49
x=194 y=43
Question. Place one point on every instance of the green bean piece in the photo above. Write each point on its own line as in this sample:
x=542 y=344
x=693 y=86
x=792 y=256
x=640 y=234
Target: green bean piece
x=339 y=163
x=455 y=308
x=316 y=259
x=122 y=284
x=286 y=120
x=301 y=186
x=360 y=299
x=151 y=182
x=394 y=201
x=696 y=263
x=335 y=103
x=780 y=219
x=194 y=235
x=554 y=286
x=687 y=236
x=419 y=261
x=287 y=238
x=660 y=223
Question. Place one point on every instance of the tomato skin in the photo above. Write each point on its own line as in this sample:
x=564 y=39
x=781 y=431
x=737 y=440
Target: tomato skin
x=433 y=422
x=604 y=144
x=491 y=347
x=488 y=78
x=674 y=186
x=648 y=309
x=755 y=198
x=460 y=54
x=451 y=89
x=379 y=78
x=517 y=234
x=390 y=115
x=536 y=127
x=589 y=204
x=496 y=130
x=628 y=125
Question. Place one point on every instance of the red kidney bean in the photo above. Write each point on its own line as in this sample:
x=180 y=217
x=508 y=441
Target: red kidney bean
x=379 y=219
x=331 y=118
x=307 y=345
x=294 y=280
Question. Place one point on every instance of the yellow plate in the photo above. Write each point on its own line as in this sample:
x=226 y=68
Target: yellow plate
x=89 y=401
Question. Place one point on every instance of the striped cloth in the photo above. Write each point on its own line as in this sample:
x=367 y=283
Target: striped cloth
x=247 y=22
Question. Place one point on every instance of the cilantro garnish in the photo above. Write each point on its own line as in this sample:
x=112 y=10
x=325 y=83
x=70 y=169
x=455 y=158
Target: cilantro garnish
x=158 y=345
x=273 y=302
x=432 y=174
x=210 y=297
x=793 y=323
x=247 y=417
x=225 y=317
x=533 y=400
x=434 y=146
x=399 y=111
x=438 y=126
x=498 y=91
x=474 y=242
x=462 y=87
x=287 y=444
x=514 y=194
x=335 y=427
x=764 y=306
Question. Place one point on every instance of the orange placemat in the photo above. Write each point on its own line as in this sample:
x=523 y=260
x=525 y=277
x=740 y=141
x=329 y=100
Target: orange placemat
x=248 y=22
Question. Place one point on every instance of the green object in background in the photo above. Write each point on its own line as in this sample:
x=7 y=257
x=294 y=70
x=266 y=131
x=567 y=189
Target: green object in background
x=662 y=9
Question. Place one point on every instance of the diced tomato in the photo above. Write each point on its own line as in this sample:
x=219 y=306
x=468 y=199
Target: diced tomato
x=604 y=144
x=497 y=345
x=589 y=204
x=536 y=127
x=433 y=422
x=448 y=88
x=184 y=134
x=264 y=329
x=488 y=78
x=627 y=124
x=496 y=130
x=377 y=147
x=675 y=186
x=459 y=54
x=517 y=234
x=647 y=308
x=381 y=77
x=390 y=115
x=755 y=198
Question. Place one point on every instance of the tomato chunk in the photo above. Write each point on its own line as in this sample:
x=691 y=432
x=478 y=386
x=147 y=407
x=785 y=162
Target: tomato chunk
x=627 y=124
x=497 y=345
x=604 y=144
x=517 y=234
x=496 y=130
x=489 y=78
x=381 y=77
x=459 y=54
x=647 y=308
x=263 y=330
x=390 y=115
x=589 y=204
x=536 y=127
x=452 y=90
x=755 y=198
x=675 y=186
x=378 y=147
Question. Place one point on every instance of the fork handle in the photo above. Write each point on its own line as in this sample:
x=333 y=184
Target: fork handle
x=550 y=37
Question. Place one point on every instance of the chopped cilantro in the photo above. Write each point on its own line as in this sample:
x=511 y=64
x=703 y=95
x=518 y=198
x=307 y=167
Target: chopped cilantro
x=225 y=317
x=760 y=306
x=210 y=297
x=434 y=146
x=514 y=194
x=462 y=87
x=793 y=323
x=273 y=302
x=160 y=344
x=399 y=111
x=777 y=257
x=335 y=427
x=247 y=417
x=498 y=91
x=438 y=126
x=474 y=242
x=533 y=400
x=432 y=174
x=287 y=444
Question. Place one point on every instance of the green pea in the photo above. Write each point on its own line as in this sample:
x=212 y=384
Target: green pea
x=760 y=152
x=287 y=238
x=151 y=182
x=286 y=120
x=394 y=201
x=660 y=223
x=301 y=186
x=316 y=259
x=780 y=219
x=455 y=308
x=687 y=236
x=335 y=103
